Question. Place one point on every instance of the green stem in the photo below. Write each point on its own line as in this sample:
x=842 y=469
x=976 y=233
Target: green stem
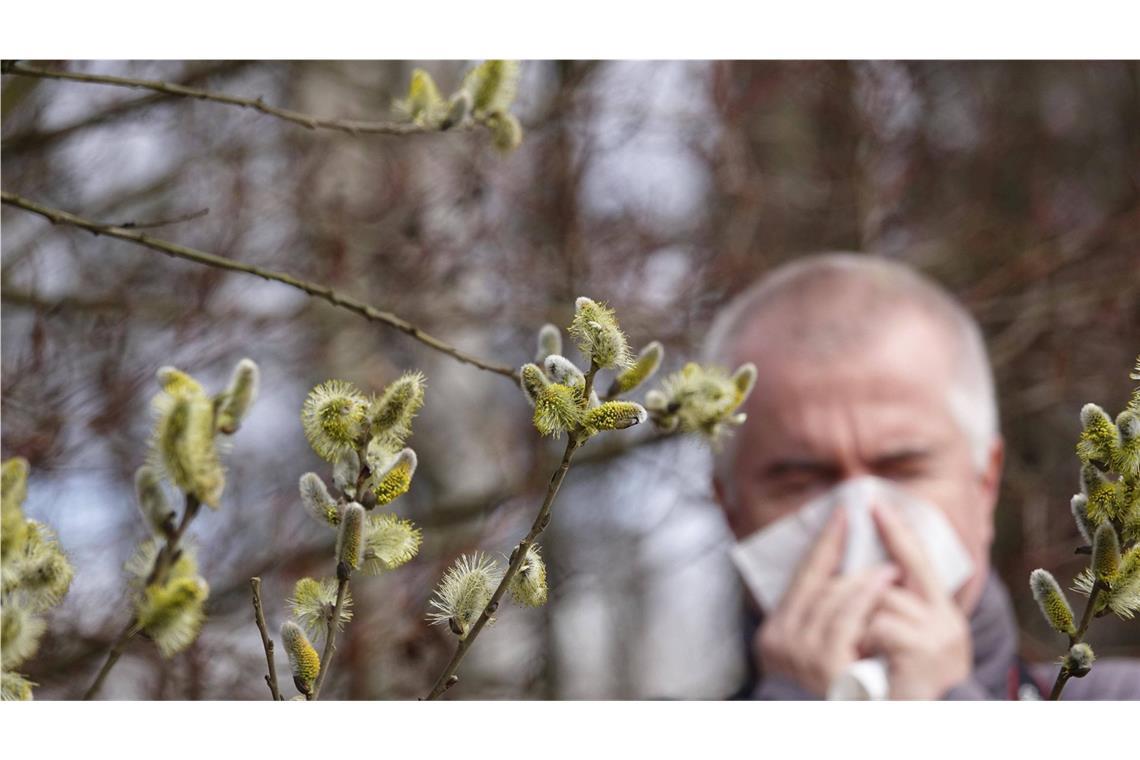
x=1086 y=617
x=448 y=678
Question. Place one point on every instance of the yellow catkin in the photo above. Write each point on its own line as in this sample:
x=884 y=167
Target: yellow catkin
x=304 y=662
x=1052 y=601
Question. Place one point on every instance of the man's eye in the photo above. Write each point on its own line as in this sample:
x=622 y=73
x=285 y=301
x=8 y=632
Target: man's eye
x=903 y=471
x=798 y=485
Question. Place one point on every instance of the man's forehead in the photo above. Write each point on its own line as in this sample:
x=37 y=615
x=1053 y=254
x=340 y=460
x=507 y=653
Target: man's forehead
x=895 y=382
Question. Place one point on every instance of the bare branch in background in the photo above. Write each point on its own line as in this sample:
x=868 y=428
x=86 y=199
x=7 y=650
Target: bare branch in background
x=309 y=121
x=336 y=298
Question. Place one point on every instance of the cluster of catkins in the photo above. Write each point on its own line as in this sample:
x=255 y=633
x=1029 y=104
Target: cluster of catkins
x=190 y=424
x=1107 y=513
x=364 y=439
x=697 y=399
x=484 y=97
x=35 y=575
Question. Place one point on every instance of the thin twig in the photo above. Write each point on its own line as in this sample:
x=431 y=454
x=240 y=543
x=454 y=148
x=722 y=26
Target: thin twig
x=162 y=563
x=316 y=290
x=266 y=642
x=113 y=656
x=448 y=678
x=165 y=222
x=1086 y=617
x=343 y=573
x=309 y=121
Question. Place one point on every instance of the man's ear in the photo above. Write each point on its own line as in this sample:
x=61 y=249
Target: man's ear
x=990 y=480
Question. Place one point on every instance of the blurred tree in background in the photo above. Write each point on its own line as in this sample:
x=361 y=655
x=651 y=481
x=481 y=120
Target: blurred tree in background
x=662 y=187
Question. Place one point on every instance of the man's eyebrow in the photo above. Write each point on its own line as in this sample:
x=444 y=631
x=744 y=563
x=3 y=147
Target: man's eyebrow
x=799 y=465
x=903 y=456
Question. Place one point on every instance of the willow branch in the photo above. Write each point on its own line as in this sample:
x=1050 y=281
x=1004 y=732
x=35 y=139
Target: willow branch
x=165 y=222
x=266 y=642
x=316 y=290
x=158 y=573
x=113 y=656
x=448 y=678
x=309 y=121
x=342 y=573
x=1086 y=617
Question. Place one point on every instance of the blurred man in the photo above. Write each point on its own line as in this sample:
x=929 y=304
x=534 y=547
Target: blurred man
x=866 y=368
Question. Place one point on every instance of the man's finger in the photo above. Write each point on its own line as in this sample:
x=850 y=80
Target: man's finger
x=886 y=632
x=904 y=546
x=904 y=604
x=838 y=594
x=820 y=564
x=848 y=618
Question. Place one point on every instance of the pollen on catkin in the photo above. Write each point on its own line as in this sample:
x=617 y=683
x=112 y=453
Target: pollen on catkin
x=644 y=367
x=391 y=414
x=238 y=397
x=20 y=633
x=396 y=479
x=13 y=526
x=317 y=501
x=1051 y=599
x=1103 y=494
x=349 y=540
x=14 y=483
x=1127 y=459
x=172 y=613
x=332 y=417
x=14 y=687
x=506 y=131
x=1124 y=597
x=597 y=334
x=177 y=383
x=558 y=409
x=40 y=572
x=1106 y=553
x=492 y=85
x=388 y=543
x=1099 y=440
x=702 y=400
x=532 y=380
x=615 y=415
x=313 y=602
x=528 y=586
x=423 y=105
x=464 y=592
x=35 y=576
x=304 y=662
x=184 y=446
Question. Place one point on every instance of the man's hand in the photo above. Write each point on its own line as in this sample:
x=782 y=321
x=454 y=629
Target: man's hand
x=917 y=627
x=814 y=633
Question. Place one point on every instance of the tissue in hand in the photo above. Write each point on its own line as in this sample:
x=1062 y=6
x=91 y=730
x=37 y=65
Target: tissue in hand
x=768 y=559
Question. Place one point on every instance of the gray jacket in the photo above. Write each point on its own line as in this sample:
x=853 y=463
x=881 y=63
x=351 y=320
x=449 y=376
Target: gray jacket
x=998 y=673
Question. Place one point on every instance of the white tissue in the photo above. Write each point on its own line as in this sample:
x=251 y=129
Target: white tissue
x=768 y=559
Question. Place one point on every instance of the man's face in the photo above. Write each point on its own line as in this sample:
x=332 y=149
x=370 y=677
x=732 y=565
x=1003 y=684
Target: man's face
x=880 y=408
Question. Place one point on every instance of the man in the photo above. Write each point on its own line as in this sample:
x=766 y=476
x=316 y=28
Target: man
x=868 y=368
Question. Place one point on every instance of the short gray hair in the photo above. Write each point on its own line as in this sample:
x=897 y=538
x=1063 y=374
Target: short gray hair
x=883 y=284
